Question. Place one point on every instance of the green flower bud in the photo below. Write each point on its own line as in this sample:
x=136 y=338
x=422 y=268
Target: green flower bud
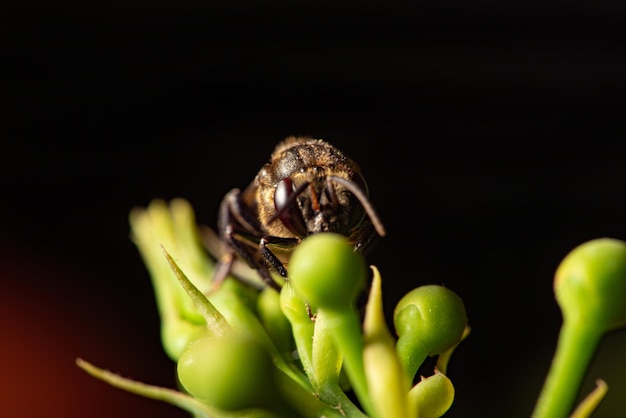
x=232 y=372
x=429 y=320
x=326 y=271
x=590 y=288
x=590 y=284
x=177 y=334
x=432 y=396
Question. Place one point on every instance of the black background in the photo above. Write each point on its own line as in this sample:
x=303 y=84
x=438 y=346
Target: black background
x=491 y=137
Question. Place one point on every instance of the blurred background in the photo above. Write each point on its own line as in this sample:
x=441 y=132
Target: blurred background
x=491 y=137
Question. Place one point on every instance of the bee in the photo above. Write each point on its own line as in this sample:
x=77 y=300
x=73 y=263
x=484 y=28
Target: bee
x=307 y=187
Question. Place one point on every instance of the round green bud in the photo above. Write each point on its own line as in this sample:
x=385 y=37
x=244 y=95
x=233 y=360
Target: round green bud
x=232 y=372
x=433 y=395
x=326 y=271
x=177 y=334
x=431 y=316
x=590 y=284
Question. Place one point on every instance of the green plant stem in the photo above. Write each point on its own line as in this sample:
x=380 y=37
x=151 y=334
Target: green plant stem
x=345 y=327
x=181 y=400
x=304 y=401
x=326 y=362
x=411 y=353
x=575 y=348
x=326 y=358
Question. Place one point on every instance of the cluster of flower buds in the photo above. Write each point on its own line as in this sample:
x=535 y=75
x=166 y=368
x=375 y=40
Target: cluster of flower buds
x=245 y=350
x=304 y=351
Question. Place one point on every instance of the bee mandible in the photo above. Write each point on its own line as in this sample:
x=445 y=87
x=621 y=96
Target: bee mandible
x=307 y=187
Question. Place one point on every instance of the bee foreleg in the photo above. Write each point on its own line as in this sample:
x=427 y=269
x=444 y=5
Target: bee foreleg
x=270 y=258
x=242 y=248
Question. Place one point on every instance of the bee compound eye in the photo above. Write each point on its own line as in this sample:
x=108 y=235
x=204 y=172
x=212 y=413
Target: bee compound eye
x=287 y=209
x=357 y=211
x=359 y=181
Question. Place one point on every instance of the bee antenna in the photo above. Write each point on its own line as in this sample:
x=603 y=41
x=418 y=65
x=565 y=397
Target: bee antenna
x=369 y=209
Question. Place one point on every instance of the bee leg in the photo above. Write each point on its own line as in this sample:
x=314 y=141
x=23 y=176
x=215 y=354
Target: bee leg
x=267 y=278
x=235 y=216
x=222 y=269
x=270 y=257
x=242 y=248
x=235 y=212
x=312 y=315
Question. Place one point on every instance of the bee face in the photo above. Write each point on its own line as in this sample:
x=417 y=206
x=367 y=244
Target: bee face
x=298 y=193
x=307 y=187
